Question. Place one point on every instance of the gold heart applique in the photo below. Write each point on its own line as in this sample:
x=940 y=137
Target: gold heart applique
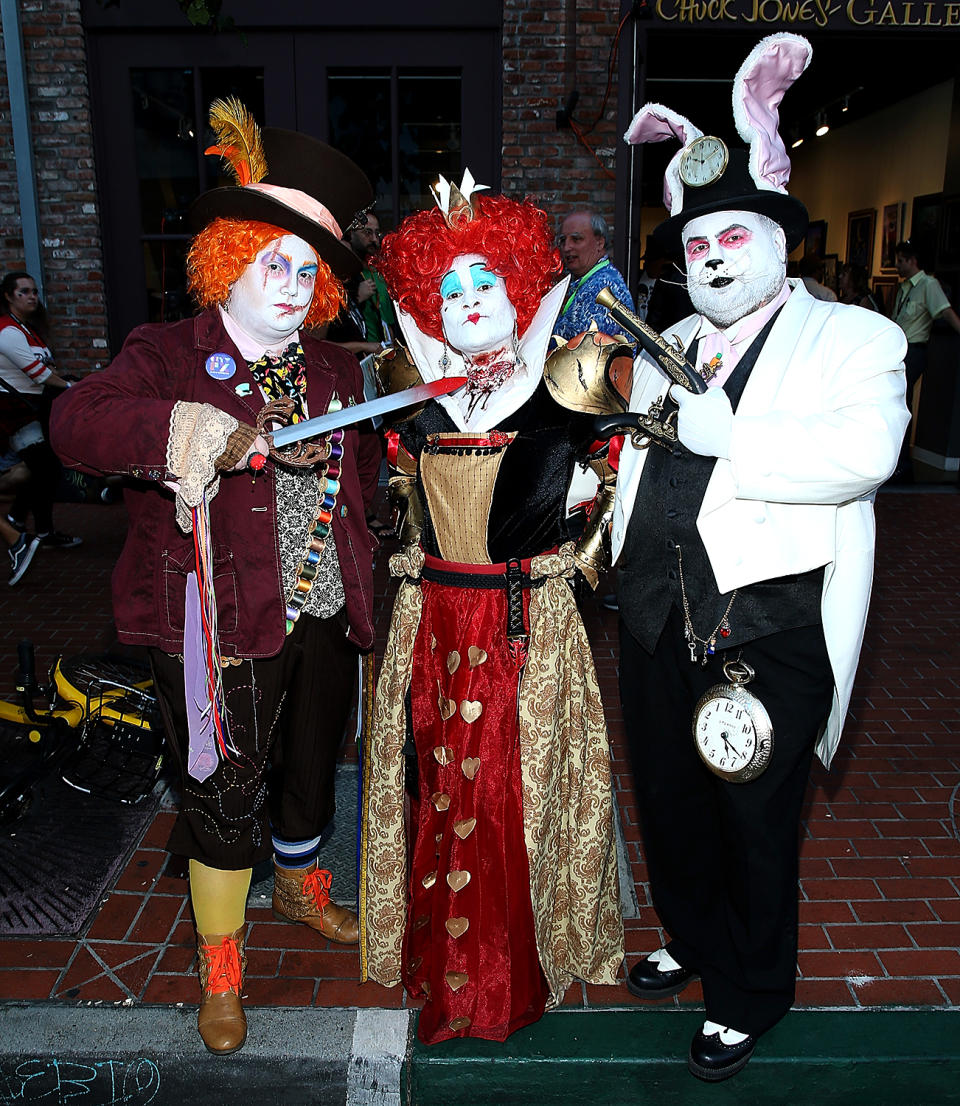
x=443 y=754
x=433 y=643
x=426 y=987
x=429 y=880
x=414 y=964
x=457 y=927
x=470 y=767
x=471 y=710
x=448 y=707
x=455 y=980
x=464 y=827
x=453 y=661
x=458 y=880
x=459 y=1023
x=420 y=922
x=476 y=656
x=440 y=801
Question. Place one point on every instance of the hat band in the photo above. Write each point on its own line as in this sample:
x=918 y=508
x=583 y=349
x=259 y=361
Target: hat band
x=303 y=204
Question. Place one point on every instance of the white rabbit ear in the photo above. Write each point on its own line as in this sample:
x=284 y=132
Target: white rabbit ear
x=770 y=69
x=656 y=123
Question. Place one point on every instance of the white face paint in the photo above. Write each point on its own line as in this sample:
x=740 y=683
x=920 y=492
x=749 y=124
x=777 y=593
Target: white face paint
x=271 y=298
x=736 y=262
x=476 y=314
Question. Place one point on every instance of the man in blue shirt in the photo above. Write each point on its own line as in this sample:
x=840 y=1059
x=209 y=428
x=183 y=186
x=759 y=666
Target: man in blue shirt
x=583 y=244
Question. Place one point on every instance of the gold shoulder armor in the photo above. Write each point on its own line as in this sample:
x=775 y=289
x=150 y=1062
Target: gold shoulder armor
x=395 y=372
x=592 y=373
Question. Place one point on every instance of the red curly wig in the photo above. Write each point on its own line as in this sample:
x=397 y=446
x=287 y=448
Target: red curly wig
x=224 y=248
x=514 y=237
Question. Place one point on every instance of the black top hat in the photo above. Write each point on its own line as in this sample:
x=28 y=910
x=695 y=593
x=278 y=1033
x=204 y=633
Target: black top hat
x=296 y=165
x=736 y=190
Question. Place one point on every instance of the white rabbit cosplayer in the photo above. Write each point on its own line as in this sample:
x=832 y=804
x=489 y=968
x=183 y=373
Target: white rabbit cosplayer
x=745 y=556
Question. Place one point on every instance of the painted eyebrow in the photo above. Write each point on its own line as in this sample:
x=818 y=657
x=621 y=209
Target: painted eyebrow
x=450 y=283
x=308 y=266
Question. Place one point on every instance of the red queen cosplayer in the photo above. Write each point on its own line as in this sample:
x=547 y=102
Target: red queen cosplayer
x=504 y=885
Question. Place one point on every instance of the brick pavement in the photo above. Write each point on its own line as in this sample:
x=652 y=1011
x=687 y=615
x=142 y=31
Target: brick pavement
x=880 y=857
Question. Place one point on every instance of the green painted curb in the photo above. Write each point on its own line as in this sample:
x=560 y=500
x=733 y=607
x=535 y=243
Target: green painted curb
x=615 y=1057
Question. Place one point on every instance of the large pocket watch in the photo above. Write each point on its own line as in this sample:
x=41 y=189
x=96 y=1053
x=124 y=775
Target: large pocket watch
x=731 y=727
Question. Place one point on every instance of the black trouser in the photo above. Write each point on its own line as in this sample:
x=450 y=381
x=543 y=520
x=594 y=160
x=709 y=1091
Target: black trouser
x=914 y=362
x=287 y=716
x=722 y=857
x=39 y=492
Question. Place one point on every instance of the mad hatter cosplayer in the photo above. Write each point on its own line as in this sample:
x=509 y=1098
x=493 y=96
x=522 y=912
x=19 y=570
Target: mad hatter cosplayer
x=253 y=596
x=488 y=698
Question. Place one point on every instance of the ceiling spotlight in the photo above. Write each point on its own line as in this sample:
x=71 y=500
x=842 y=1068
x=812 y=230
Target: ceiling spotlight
x=822 y=125
x=846 y=103
x=796 y=138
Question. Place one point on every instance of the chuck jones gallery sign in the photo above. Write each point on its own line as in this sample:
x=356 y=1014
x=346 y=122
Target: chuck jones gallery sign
x=797 y=14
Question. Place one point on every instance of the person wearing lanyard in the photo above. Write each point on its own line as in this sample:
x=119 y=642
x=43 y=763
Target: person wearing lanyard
x=583 y=245
x=920 y=300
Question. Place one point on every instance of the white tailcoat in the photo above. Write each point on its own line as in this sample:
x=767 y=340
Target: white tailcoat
x=817 y=430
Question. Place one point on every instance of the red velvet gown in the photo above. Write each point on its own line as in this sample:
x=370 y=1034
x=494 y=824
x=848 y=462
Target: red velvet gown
x=469 y=944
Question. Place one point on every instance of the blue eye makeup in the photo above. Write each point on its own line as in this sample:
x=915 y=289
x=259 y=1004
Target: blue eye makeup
x=450 y=285
x=481 y=277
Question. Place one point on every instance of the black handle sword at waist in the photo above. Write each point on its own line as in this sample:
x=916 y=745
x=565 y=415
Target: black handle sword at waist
x=671 y=359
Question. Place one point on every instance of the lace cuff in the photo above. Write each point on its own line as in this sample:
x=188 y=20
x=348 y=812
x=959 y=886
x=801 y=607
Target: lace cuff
x=198 y=436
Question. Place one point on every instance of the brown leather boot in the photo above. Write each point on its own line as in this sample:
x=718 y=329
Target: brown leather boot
x=222 y=962
x=303 y=895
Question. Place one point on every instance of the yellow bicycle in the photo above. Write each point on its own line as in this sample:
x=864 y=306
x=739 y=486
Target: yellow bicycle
x=95 y=721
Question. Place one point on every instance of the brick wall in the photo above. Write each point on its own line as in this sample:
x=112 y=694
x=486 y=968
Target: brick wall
x=55 y=58
x=549 y=47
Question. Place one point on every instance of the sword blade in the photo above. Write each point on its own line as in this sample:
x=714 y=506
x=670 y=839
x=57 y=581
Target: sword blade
x=347 y=416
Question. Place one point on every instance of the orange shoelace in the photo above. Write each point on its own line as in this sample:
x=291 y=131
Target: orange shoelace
x=223 y=967
x=317 y=886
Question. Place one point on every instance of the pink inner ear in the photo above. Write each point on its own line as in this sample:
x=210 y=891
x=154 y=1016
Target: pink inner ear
x=653 y=126
x=763 y=89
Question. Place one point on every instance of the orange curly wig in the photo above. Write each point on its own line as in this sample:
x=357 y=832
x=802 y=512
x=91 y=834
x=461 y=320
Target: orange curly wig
x=224 y=248
x=514 y=237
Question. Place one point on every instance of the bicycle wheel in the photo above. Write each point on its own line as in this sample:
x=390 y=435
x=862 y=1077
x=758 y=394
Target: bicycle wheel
x=26 y=753
x=108 y=688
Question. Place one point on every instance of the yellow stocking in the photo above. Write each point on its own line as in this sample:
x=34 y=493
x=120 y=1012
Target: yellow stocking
x=219 y=898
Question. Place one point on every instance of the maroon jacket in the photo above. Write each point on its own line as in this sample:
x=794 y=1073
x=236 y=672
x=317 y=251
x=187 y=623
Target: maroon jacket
x=118 y=421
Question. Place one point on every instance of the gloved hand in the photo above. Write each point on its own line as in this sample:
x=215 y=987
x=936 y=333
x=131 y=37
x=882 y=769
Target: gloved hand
x=704 y=422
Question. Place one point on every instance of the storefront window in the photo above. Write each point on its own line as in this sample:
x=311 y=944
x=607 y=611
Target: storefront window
x=172 y=170
x=402 y=126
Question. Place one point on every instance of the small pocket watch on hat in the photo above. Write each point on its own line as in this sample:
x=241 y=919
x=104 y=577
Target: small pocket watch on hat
x=731 y=727
x=703 y=161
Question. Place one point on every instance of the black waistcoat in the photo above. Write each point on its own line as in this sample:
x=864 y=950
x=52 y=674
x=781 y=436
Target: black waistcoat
x=671 y=491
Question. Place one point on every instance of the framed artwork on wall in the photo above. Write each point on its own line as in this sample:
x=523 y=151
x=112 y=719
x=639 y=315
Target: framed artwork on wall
x=815 y=243
x=889 y=236
x=885 y=292
x=861 y=227
x=830 y=273
x=925 y=222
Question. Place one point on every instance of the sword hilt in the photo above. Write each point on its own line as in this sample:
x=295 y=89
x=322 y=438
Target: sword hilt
x=300 y=455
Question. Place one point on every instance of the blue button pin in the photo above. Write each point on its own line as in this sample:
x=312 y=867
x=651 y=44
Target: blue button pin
x=221 y=366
